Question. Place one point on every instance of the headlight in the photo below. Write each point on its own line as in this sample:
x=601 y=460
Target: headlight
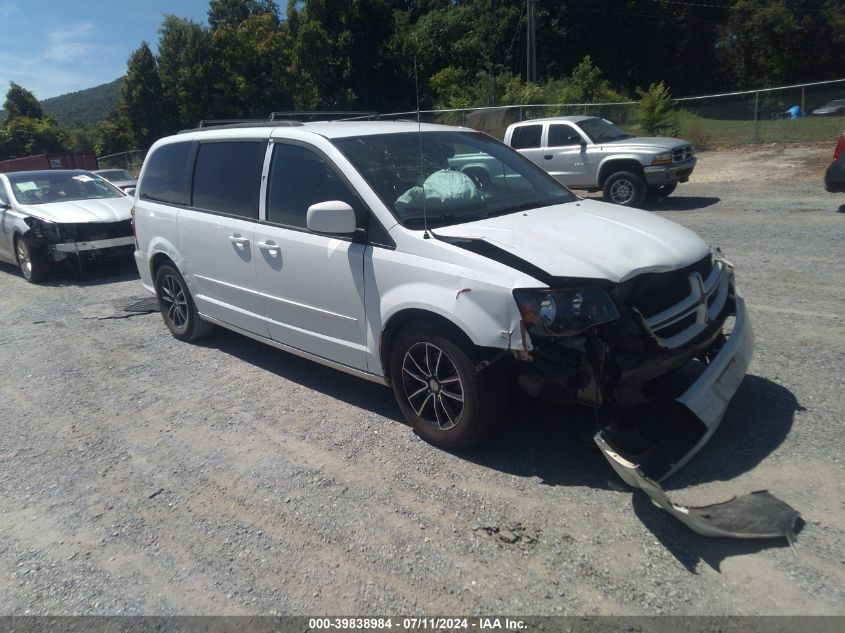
x=38 y=227
x=662 y=159
x=564 y=312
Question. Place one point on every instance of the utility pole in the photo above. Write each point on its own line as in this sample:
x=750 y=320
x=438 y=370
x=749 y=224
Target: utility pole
x=531 y=65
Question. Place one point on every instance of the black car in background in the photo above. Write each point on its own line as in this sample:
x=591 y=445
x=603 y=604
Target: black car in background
x=834 y=178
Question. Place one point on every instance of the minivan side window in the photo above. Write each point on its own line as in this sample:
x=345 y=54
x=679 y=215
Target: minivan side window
x=166 y=176
x=562 y=135
x=227 y=177
x=526 y=137
x=299 y=178
x=3 y=198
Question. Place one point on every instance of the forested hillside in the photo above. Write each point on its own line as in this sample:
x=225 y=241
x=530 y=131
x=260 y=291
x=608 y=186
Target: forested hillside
x=85 y=106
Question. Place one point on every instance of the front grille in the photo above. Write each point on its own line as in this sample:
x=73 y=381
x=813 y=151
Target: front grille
x=677 y=306
x=90 y=231
x=682 y=154
x=652 y=293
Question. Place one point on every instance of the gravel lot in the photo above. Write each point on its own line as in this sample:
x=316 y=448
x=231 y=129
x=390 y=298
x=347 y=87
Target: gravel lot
x=142 y=475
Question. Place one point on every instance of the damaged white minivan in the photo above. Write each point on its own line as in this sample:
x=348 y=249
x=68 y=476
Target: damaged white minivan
x=441 y=262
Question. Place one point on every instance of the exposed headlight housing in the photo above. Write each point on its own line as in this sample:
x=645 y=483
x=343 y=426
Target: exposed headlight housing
x=664 y=158
x=567 y=312
x=39 y=228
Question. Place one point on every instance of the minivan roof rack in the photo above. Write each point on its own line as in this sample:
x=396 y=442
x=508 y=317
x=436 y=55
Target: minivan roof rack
x=217 y=124
x=323 y=115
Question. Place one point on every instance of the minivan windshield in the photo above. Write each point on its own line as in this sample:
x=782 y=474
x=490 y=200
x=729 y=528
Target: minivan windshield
x=43 y=187
x=603 y=131
x=449 y=177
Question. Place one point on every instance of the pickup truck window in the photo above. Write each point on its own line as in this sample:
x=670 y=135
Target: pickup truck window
x=602 y=130
x=526 y=137
x=563 y=135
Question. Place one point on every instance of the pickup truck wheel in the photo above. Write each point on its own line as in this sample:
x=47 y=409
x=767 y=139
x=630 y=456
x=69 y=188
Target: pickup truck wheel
x=177 y=306
x=659 y=192
x=447 y=403
x=32 y=262
x=625 y=188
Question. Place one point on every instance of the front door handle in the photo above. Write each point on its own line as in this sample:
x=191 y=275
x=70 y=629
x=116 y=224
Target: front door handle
x=238 y=240
x=270 y=247
x=548 y=156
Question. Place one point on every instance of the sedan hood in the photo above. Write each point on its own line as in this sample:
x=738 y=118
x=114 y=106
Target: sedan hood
x=100 y=210
x=588 y=239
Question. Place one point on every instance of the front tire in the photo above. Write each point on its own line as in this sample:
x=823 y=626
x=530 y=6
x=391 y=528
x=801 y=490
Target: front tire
x=177 y=306
x=435 y=383
x=32 y=261
x=625 y=188
x=659 y=192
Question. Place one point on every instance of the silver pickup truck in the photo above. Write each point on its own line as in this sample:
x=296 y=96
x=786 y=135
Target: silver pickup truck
x=591 y=153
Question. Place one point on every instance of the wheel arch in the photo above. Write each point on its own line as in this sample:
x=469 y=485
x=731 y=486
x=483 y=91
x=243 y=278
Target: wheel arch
x=613 y=165
x=157 y=261
x=426 y=318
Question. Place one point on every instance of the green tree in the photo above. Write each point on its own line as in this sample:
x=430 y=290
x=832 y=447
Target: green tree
x=26 y=131
x=20 y=102
x=656 y=111
x=187 y=68
x=235 y=12
x=784 y=41
x=112 y=135
x=26 y=136
x=141 y=97
x=349 y=54
x=254 y=59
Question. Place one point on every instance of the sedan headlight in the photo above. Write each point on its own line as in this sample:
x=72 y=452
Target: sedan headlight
x=40 y=228
x=662 y=159
x=564 y=312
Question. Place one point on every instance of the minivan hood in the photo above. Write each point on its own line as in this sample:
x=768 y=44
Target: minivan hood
x=588 y=239
x=100 y=210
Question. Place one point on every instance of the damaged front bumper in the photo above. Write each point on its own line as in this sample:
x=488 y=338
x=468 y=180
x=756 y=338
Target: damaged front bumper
x=755 y=515
x=708 y=397
x=685 y=429
x=92 y=245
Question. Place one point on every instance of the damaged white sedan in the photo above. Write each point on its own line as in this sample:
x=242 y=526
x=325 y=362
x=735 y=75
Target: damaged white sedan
x=70 y=216
x=440 y=262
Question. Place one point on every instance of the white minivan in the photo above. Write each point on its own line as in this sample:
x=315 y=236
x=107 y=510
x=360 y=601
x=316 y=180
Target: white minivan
x=441 y=262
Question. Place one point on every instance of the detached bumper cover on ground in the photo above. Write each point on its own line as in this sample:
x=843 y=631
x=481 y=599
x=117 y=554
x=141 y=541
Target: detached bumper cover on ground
x=758 y=515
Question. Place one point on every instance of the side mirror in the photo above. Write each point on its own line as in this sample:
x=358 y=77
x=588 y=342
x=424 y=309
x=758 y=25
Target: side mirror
x=333 y=217
x=129 y=191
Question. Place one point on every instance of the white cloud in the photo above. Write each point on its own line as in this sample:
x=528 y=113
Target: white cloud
x=70 y=43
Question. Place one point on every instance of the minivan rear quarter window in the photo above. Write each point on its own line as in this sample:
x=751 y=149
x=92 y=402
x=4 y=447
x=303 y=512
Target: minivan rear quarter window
x=166 y=177
x=227 y=177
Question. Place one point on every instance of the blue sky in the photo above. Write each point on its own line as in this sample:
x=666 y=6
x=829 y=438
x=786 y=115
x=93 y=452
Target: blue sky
x=56 y=46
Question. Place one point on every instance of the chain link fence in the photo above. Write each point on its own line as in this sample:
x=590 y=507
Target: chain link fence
x=131 y=161
x=782 y=114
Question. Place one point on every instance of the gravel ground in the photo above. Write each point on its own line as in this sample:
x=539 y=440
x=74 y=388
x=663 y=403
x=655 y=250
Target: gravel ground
x=147 y=476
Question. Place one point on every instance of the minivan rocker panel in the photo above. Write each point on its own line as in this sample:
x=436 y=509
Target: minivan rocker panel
x=454 y=282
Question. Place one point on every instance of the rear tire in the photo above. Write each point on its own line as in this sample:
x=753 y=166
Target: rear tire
x=625 y=188
x=435 y=383
x=32 y=261
x=177 y=306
